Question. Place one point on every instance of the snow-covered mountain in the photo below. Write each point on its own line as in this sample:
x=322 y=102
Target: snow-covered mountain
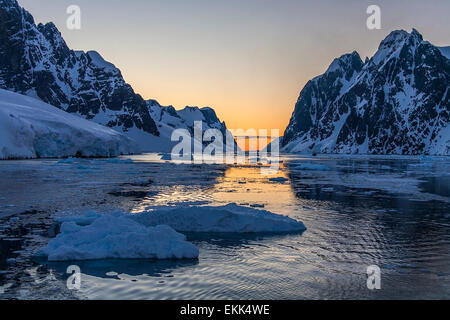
x=445 y=51
x=397 y=102
x=35 y=61
x=168 y=119
x=30 y=128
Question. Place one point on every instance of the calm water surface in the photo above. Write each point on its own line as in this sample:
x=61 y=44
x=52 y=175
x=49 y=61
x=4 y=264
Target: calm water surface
x=393 y=212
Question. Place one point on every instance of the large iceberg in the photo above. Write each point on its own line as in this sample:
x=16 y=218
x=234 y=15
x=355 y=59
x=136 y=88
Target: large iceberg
x=30 y=128
x=115 y=236
x=224 y=219
x=151 y=234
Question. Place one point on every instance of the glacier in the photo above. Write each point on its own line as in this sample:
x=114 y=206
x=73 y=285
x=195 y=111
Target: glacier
x=30 y=128
x=39 y=64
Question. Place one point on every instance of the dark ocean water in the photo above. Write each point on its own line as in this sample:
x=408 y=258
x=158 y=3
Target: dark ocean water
x=393 y=212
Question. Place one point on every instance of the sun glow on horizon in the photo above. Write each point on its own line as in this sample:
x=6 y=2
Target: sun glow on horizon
x=248 y=60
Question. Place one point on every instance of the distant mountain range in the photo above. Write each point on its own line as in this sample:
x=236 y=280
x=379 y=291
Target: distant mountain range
x=397 y=102
x=168 y=119
x=35 y=61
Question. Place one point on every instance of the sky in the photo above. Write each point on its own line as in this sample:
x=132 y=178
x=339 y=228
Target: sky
x=247 y=59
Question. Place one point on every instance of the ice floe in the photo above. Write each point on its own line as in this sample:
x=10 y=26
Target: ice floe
x=115 y=236
x=231 y=218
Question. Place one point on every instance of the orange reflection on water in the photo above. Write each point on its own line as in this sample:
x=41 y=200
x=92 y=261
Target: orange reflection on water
x=248 y=185
x=245 y=185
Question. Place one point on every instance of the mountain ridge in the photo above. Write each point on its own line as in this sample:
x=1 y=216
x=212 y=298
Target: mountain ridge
x=36 y=61
x=393 y=103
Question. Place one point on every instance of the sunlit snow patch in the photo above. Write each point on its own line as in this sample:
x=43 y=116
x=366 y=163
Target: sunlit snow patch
x=115 y=236
x=225 y=219
x=30 y=128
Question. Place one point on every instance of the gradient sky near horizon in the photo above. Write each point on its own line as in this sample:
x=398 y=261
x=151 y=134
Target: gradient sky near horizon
x=248 y=59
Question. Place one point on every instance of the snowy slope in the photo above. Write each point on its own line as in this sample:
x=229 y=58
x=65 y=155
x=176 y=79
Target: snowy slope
x=30 y=128
x=445 y=51
x=36 y=61
x=168 y=119
x=397 y=102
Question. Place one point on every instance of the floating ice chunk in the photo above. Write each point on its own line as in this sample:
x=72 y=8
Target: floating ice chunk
x=68 y=160
x=189 y=203
x=166 y=156
x=279 y=179
x=115 y=236
x=118 y=160
x=225 y=219
x=85 y=220
x=309 y=166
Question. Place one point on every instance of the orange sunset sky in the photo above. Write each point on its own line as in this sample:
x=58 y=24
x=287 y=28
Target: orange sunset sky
x=247 y=59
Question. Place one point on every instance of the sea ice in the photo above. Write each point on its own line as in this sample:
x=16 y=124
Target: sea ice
x=115 y=236
x=224 y=219
x=279 y=180
x=118 y=160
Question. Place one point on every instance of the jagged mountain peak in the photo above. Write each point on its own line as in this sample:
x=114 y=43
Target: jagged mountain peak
x=349 y=61
x=396 y=103
x=395 y=43
x=98 y=61
x=9 y=4
x=399 y=37
x=191 y=108
x=35 y=60
x=168 y=119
